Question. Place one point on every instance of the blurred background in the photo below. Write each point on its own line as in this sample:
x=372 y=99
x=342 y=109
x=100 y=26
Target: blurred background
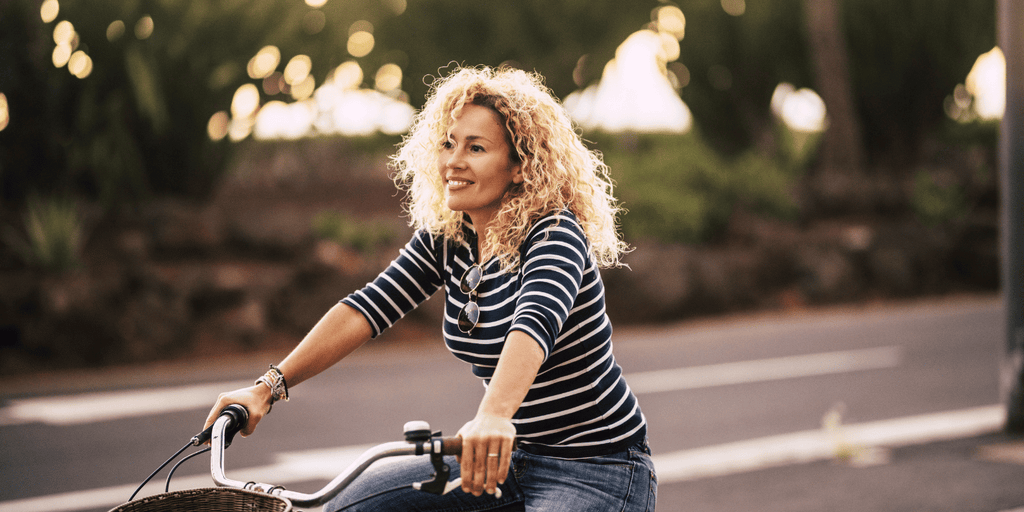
x=182 y=179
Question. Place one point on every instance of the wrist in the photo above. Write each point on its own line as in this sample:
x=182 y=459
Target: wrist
x=490 y=415
x=272 y=384
x=263 y=391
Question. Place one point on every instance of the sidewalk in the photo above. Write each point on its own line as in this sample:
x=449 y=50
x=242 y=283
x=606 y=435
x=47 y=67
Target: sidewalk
x=982 y=473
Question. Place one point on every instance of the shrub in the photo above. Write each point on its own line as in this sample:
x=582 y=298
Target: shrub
x=676 y=188
x=348 y=232
x=53 y=240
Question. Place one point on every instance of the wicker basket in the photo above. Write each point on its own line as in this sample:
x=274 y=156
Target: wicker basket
x=213 y=499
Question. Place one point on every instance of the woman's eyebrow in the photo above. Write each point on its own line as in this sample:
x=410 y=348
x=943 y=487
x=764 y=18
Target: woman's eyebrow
x=471 y=138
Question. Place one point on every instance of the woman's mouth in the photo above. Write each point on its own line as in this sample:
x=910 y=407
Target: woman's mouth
x=459 y=183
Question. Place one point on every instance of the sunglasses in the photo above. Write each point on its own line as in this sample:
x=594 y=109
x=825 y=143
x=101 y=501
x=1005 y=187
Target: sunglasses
x=470 y=314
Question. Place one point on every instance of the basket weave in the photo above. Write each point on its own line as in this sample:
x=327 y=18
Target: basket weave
x=212 y=499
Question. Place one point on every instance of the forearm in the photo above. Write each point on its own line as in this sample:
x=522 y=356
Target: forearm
x=517 y=368
x=341 y=330
x=487 y=440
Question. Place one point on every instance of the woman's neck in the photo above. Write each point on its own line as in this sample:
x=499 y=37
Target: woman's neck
x=484 y=251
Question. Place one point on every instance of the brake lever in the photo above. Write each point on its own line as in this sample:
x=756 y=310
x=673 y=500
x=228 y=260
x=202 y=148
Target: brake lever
x=439 y=484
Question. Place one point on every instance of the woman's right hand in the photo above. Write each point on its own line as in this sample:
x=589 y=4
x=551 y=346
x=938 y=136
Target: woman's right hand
x=256 y=399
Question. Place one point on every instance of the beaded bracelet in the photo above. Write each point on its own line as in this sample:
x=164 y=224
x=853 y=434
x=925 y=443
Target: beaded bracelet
x=274 y=380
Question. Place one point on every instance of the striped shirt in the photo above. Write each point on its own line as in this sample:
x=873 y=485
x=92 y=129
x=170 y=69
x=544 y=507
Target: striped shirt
x=579 y=404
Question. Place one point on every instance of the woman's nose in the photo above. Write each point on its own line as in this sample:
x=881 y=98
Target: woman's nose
x=456 y=159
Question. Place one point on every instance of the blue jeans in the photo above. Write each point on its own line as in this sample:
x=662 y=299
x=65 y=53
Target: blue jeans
x=622 y=481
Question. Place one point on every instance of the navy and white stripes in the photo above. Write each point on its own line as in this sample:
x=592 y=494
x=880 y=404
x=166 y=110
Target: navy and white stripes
x=579 y=405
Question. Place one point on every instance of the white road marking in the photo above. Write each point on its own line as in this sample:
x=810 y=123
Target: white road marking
x=816 y=445
x=683 y=465
x=106 y=406
x=763 y=370
x=112 y=405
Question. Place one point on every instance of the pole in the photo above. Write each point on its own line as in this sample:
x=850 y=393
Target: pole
x=1010 y=27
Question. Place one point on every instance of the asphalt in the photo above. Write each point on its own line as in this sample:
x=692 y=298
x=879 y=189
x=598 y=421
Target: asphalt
x=983 y=473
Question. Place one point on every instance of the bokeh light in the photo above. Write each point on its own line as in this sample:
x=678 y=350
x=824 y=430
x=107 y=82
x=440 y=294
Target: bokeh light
x=217 y=127
x=279 y=120
x=264 y=62
x=314 y=21
x=64 y=33
x=115 y=30
x=388 y=78
x=49 y=10
x=397 y=6
x=274 y=83
x=734 y=7
x=144 y=28
x=245 y=101
x=316 y=3
x=634 y=93
x=80 y=64
x=5 y=112
x=61 y=55
x=297 y=69
x=982 y=96
x=240 y=128
x=304 y=89
x=360 y=44
x=802 y=110
x=986 y=82
x=349 y=75
x=670 y=20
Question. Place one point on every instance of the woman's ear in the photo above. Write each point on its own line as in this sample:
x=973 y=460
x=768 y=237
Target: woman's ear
x=517 y=174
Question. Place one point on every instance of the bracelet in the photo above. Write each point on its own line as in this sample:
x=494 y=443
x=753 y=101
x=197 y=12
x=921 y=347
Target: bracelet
x=274 y=380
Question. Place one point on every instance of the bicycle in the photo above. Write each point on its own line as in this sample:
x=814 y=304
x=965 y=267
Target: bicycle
x=235 y=495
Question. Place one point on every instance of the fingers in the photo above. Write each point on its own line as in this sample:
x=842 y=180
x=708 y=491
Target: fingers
x=494 y=468
x=486 y=453
x=484 y=464
x=250 y=398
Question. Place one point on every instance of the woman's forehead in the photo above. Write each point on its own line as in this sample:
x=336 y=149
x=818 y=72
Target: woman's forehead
x=476 y=120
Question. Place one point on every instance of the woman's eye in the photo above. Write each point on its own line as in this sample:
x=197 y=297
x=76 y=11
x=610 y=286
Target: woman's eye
x=476 y=148
x=447 y=144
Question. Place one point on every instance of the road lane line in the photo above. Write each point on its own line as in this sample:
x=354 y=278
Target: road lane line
x=111 y=405
x=678 y=466
x=818 y=445
x=764 y=370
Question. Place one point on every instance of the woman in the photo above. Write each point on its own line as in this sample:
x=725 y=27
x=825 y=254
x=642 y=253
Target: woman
x=513 y=218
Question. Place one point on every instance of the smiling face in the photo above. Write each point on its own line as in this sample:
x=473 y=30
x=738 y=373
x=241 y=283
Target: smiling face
x=475 y=164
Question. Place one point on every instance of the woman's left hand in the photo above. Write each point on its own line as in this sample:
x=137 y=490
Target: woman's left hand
x=487 y=443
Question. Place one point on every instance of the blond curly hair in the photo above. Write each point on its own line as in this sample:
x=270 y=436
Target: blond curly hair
x=559 y=171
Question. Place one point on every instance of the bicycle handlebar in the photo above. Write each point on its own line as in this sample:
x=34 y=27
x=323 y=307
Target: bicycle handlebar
x=416 y=443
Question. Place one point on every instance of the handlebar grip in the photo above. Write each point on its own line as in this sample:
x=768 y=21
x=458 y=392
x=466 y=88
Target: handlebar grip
x=239 y=418
x=451 y=446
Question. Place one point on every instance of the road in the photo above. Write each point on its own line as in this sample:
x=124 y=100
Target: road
x=721 y=396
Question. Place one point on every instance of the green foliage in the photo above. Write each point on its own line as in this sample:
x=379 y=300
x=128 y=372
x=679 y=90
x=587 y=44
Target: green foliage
x=54 y=236
x=935 y=203
x=678 y=189
x=136 y=127
x=351 y=233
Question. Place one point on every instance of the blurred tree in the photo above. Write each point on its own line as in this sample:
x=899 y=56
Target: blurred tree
x=136 y=126
x=554 y=38
x=842 y=148
x=906 y=57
